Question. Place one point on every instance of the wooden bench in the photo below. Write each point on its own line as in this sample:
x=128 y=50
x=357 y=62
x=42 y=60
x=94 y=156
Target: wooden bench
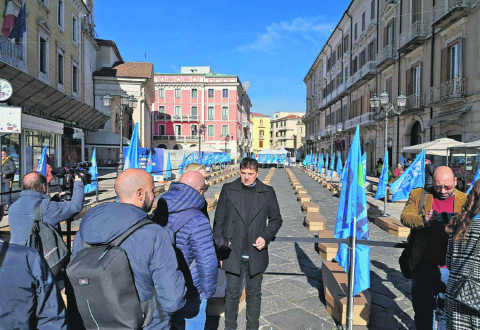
x=310 y=207
x=327 y=251
x=392 y=226
x=315 y=221
x=335 y=285
x=211 y=202
x=302 y=198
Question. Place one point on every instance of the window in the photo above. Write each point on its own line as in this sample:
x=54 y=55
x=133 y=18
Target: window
x=211 y=113
x=224 y=113
x=194 y=93
x=345 y=44
x=178 y=93
x=161 y=129
x=371 y=51
x=260 y=144
x=74 y=30
x=416 y=10
x=43 y=55
x=161 y=108
x=363 y=21
x=339 y=52
x=224 y=130
x=388 y=35
x=413 y=80
x=362 y=58
x=60 y=72
x=161 y=93
x=194 y=130
x=60 y=14
x=355 y=32
x=225 y=93
x=74 y=79
x=211 y=130
x=178 y=112
x=210 y=93
x=194 y=112
x=453 y=61
x=178 y=130
x=372 y=9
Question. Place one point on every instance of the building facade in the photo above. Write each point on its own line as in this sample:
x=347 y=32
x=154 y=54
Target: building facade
x=419 y=49
x=287 y=130
x=200 y=106
x=260 y=132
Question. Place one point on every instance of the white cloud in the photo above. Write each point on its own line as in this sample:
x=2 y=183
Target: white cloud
x=308 y=28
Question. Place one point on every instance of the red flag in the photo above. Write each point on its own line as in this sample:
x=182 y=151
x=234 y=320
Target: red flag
x=8 y=18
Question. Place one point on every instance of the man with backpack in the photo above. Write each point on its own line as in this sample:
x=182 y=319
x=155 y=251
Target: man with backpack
x=183 y=204
x=157 y=288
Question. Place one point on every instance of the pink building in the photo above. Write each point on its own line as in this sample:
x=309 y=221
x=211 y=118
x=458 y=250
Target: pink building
x=195 y=98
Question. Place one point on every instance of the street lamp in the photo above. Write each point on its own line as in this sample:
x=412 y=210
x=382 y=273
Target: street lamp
x=125 y=101
x=201 y=131
x=379 y=104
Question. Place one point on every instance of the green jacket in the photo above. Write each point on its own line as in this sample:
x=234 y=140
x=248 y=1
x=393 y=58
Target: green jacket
x=411 y=218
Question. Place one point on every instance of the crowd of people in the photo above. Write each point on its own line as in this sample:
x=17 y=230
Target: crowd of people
x=173 y=253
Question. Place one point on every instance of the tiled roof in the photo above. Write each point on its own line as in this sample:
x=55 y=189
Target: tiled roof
x=127 y=69
x=257 y=114
x=291 y=117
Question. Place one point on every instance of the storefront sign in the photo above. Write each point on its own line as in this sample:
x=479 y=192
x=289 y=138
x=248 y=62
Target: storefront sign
x=77 y=133
x=10 y=120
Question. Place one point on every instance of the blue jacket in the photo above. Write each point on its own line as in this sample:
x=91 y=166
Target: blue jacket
x=29 y=296
x=149 y=250
x=195 y=238
x=20 y=214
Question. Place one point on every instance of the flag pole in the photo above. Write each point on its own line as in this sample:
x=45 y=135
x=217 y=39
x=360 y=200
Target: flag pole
x=351 y=275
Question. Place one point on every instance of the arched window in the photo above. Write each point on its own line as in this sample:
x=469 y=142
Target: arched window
x=415 y=134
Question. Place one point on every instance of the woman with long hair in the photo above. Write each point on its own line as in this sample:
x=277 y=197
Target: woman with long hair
x=462 y=260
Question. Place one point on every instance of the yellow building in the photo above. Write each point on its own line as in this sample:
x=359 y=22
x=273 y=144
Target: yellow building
x=260 y=131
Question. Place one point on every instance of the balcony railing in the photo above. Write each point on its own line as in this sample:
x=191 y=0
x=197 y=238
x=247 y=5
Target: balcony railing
x=415 y=101
x=365 y=119
x=451 y=89
x=444 y=7
x=387 y=53
x=178 y=138
x=165 y=116
x=11 y=53
x=369 y=68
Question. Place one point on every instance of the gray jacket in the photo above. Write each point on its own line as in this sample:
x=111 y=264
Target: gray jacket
x=8 y=169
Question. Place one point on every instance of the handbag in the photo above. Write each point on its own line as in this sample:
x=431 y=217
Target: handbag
x=467 y=289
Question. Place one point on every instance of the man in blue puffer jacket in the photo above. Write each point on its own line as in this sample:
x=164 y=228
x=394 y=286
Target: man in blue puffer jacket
x=149 y=249
x=194 y=239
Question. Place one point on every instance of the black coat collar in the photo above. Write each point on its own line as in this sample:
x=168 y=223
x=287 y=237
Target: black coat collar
x=237 y=185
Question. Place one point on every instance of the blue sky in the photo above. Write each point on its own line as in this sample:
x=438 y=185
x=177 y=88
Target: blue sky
x=271 y=44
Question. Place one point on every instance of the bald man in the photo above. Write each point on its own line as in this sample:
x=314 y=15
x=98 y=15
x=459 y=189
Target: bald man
x=21 y=213
x=180 y=209
x=149 y=248
x=426 y=213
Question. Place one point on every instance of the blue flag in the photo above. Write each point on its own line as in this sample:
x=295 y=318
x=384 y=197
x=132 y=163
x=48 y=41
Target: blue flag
x=131 y=158
x=149 y=167
x=168 y=172
x=413 y=177
x=339 y=164
x=353 y=204
x=475 y=178
x=332 y=164
x=190 y=159
x=182 y=165
x=383 y=181
x=42 y=163
x=326 y=164
x=93 y=170
x=364 y=163
x=275 y=158
x=282 y=158
x=320 y=163
x=20 y=25
x=402 y=161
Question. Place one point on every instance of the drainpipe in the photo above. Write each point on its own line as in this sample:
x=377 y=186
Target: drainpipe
x=432 y=58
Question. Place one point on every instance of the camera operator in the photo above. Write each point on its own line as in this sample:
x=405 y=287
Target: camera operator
x=22 y=212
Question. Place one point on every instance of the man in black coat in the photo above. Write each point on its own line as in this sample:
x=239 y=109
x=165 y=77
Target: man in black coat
x=247 y=218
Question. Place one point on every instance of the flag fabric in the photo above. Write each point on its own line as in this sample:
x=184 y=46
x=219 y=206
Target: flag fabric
x=182 y=165
x=383 y=181
x=353 y=204
x=364 y=163
x=131 y=158
x=332 y=164
x=20 y=25
x=190 y=159
x=475 y=178
x=149 y=167
x=326 y=164
x=413 y=177
x=168 y=172
x=402 y=161
x=339 y=164
x=42 y=163
x=275 y=158
x=93 y=170
x=320 y=163
x=282 y=158
x=8 y=18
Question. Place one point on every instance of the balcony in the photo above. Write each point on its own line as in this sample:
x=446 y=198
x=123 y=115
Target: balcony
x=363 y=120
x=177 y=138
x=413 y=37
x=450 y=91
x=169 y=117
x=12 y=54
x=386 y=56
x=368 y=71
x=447 y=12
x=415 y=103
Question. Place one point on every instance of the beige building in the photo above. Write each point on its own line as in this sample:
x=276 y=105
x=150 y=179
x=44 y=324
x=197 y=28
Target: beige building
x=425 y=50
x=260 y=131
x=287 y=130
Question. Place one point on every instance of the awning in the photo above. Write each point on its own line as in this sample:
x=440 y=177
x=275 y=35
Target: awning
x=40 y=99
x=105 y=138
x=437 y=147
x=451 y=116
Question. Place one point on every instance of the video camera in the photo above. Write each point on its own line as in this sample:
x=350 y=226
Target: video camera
x=67 y=175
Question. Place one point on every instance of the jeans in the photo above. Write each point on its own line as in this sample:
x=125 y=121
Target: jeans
x=253 y=286
x=425 y=285
x=6 y=195
x=192 y=316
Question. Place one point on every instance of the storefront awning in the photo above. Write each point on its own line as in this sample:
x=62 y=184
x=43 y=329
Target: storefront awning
x=40 y=99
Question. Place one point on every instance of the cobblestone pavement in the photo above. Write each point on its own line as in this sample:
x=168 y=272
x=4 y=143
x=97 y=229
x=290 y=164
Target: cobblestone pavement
x=292 y=287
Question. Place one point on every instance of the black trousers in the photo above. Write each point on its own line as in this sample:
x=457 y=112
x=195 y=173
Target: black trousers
x=253 y=287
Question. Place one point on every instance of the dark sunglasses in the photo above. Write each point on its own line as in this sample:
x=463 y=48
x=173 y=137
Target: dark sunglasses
x=445 y=186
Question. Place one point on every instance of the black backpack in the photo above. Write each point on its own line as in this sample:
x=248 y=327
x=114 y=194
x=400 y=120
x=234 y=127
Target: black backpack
x=104 y=287
x=46 y=239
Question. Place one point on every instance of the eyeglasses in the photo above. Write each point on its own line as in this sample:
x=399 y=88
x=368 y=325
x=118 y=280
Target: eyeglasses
x=445 y=186
x=204 y=189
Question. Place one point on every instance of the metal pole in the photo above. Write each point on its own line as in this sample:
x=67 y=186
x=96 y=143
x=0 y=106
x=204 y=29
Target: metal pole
x=385 y=160
x=120 y=162
x=351 y=275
